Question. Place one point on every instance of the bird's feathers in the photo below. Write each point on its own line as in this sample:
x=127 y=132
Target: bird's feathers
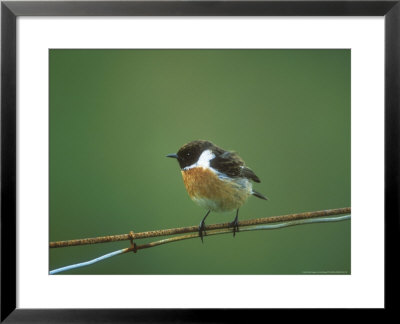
x=231 y=164
x=249 y=174
x=214 y=178
x=201 y=153
x=258 y=195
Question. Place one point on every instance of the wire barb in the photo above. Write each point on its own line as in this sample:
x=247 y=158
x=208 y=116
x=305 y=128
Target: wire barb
x=133 y=244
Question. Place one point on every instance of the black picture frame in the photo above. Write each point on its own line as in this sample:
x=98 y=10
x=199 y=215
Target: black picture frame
x=10 y=10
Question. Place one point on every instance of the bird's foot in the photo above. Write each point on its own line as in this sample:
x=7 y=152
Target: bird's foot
x=202 y=230
x=235 y=225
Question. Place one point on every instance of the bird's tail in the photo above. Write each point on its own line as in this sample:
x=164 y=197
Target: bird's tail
x=258 y=195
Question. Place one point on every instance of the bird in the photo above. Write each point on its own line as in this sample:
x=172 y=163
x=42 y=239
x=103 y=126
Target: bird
x=215 y=179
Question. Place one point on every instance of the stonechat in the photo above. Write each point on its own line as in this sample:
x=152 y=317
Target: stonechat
x=215 y=179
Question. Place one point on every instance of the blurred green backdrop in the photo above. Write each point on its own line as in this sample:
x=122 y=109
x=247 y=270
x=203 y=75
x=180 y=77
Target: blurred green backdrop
x=115 y=114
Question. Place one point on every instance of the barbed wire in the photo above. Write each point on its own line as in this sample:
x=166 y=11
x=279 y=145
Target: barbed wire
x=224 y=228
x=192 y=229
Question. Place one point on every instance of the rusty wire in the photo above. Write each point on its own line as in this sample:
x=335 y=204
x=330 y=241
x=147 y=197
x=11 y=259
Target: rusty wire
x=134 y=247
x=192 y=229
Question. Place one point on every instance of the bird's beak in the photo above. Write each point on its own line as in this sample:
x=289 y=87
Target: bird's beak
x=173 y=155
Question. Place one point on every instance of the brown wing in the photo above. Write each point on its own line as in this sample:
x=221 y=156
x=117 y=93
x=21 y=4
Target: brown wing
x=232 y=165
x=249 y=174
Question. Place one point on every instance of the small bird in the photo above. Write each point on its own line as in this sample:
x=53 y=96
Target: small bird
x=215 y=179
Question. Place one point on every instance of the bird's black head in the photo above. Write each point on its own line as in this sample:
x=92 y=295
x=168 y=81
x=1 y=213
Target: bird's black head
x=189 y=153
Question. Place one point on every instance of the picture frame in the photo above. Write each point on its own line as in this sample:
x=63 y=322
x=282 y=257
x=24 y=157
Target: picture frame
x=11 y=10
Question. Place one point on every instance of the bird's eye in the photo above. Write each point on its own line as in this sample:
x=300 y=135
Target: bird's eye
x=188 y=154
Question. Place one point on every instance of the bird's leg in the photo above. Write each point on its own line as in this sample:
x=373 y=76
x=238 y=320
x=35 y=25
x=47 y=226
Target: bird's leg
x=202 y=227
x=235 y=223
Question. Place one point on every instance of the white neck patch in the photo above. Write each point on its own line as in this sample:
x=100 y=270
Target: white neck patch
x=203 y=161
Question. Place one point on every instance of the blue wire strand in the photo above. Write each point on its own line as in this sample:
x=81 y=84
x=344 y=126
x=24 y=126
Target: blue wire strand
x=84 y=264
x=249 y=228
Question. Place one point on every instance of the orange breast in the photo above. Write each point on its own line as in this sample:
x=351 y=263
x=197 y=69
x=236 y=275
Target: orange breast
x=209 y=191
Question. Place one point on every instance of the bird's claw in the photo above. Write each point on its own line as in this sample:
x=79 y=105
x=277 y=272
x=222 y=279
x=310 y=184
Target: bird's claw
x=202 y=229
x=235 y=225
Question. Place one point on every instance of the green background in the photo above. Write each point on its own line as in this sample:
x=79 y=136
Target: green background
x=115 y=114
